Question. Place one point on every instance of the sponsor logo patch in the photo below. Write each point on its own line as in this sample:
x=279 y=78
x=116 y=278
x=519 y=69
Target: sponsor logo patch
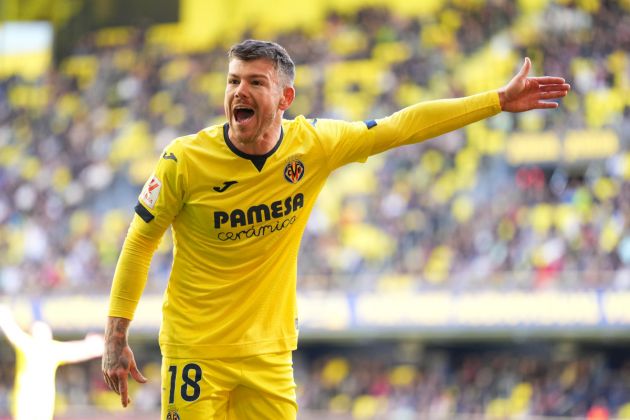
x=150 y=192
x=258 y=220
x=294 y=171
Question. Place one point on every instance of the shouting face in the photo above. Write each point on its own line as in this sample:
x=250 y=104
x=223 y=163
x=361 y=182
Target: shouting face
x=255 y=99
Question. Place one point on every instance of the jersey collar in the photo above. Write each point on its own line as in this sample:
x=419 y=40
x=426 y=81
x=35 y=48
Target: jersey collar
x=257 y=160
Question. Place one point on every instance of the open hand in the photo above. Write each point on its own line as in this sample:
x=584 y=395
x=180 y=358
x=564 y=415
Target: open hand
x=524 y=93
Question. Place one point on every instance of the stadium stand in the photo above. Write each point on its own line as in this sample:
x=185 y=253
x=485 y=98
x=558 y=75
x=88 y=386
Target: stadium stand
x=77 y=145
x=517 y=203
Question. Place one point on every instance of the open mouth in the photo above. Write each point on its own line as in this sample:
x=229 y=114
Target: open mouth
x=243 y=114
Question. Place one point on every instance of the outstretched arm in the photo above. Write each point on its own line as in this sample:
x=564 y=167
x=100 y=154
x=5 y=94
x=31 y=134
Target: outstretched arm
x=351 y=142
x=79 y=350
x=118 y=359
x=524 y=93
x=12 y=330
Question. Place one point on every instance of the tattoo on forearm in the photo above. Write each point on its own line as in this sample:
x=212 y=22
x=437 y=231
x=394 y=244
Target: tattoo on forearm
x=116 y=339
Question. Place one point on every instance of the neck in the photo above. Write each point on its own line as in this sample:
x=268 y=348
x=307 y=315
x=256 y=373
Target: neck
x=259 y=145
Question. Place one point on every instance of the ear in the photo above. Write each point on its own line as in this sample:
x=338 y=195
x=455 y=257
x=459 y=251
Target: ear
x=288 y=94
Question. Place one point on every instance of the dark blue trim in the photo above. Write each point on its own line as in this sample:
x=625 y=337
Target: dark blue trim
x=257 y=160
x=143 y=213
x=370 y=123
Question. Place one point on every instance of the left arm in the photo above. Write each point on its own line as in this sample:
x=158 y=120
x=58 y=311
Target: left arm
x=524 y=93
x=431 y=119
x=77 y=351
x=344 y=142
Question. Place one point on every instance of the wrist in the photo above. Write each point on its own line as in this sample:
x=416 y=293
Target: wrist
x=117 y=328
x=502 y=98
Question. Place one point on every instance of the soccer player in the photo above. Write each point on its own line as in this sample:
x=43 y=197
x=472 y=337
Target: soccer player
x=38 y=357
x=238 y=196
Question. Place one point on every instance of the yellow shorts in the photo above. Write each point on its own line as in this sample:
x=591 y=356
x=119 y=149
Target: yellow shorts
x=257 y=387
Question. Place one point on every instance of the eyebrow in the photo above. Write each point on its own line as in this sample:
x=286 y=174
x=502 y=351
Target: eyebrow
x=250 y=76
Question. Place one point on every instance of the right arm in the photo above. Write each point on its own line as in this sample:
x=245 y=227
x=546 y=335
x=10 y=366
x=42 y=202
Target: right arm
x=158 y=204
x=129 y=281
x=13 y=332
x=118 y=359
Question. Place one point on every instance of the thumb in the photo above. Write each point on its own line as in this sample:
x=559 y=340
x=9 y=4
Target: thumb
x=527 y=65
x=135 y=374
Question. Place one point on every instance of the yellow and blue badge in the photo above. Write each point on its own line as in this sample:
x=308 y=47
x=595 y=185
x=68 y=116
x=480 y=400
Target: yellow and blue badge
x=172 y=414
x=294 y=171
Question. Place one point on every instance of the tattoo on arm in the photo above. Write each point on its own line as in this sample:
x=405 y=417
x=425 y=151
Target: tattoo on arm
x=115 y=339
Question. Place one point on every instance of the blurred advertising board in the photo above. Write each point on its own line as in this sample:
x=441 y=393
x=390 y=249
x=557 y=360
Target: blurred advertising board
x=438 y=314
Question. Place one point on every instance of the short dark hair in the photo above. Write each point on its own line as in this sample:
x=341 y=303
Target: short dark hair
x=252 y=49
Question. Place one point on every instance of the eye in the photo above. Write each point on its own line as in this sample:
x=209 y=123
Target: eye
x=257 y=83
x=232 y=82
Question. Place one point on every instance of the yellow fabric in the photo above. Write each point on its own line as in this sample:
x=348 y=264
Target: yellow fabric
x=232 y=289
x=257 y=388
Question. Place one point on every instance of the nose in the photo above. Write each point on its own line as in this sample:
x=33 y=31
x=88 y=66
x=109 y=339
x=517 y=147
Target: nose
x=241 y=90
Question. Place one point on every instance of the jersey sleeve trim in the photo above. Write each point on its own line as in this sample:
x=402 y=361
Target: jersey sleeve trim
x=370 y=123
x=143 y=213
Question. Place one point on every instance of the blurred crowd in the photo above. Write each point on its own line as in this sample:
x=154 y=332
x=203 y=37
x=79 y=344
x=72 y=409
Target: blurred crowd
x=404 y=381
x=77 y=144
x=407 y=381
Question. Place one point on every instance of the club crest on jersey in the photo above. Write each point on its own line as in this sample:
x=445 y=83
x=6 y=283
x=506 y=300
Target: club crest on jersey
x=294 y=171
x=172 y=414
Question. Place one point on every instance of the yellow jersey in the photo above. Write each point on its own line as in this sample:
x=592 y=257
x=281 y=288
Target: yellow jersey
x=237 y=221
